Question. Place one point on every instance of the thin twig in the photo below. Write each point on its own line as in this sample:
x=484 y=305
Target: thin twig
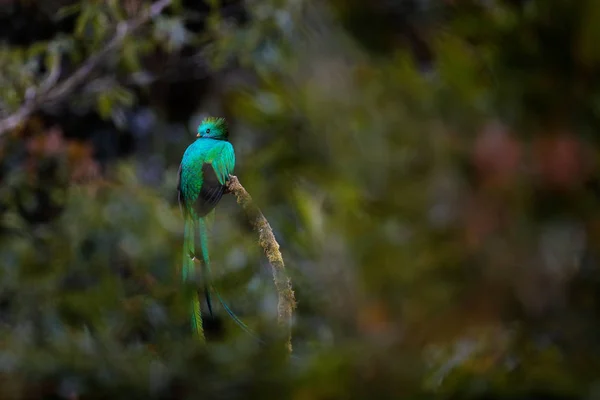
x=266 y=239
x=64 y=88
x=52 y=77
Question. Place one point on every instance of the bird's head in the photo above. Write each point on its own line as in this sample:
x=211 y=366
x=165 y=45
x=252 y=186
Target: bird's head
x=214 y=128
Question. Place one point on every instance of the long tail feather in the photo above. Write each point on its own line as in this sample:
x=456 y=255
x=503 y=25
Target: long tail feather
x=206 y=276
x=203 y=234
x=196 y=319
x=186 y=273
x=238 y=321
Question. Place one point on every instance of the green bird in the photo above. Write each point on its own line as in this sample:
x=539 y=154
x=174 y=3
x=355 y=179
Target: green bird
x=202 y=177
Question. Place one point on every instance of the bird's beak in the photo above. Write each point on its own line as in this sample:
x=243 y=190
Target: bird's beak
x=198 y=135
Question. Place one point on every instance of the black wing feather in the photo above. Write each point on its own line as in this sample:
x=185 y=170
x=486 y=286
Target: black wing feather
x=211 y=192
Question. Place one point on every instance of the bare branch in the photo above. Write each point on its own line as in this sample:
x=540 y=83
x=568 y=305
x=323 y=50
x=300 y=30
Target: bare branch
x=59 y=91
x=266 y=239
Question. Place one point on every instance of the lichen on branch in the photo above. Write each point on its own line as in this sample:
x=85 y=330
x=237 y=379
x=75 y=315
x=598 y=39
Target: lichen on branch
x=266 y=239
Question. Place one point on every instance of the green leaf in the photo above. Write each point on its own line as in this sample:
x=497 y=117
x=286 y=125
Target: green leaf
x=112 y=101
x=67 y=11
x=116 y=10
x=104 y=105
x=51 y=60
x=83 y=20
x=124 y=96
x=100 y=24
x=589 y=33
x=37 y=48
x=214 y=4
x=130 y=56
x=177 y=6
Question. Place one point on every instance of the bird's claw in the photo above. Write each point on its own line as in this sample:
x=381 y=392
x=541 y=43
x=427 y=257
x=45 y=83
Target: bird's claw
x=226 y=190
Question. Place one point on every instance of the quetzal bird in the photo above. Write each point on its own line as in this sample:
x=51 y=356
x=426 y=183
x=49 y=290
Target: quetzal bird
x=203 y=174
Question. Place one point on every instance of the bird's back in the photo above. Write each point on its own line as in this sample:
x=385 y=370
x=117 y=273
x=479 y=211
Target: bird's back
x=197 y=175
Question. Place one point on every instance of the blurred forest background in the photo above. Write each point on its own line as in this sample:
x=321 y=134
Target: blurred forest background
x=429 y=169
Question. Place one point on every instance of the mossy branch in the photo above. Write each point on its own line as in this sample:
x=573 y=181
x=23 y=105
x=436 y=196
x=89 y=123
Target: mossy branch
x=266 y=239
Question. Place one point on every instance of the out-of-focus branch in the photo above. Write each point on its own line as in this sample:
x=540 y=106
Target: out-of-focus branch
x=266 y=239
x=58 y=91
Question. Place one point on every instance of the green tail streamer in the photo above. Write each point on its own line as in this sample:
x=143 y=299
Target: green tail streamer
x=206 y=274
x=187 y=273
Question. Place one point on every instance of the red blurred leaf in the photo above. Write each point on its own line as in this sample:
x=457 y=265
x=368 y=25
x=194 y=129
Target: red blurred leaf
x=496 y=155
x=373 y=318
x=559 y=160
x=82 y=164
x=48 y=143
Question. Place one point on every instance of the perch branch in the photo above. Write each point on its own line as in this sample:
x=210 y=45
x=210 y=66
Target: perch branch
x=267 y=241
x=61 y=90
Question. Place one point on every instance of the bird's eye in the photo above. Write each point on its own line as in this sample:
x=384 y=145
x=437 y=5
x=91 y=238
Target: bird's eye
x=208 y=131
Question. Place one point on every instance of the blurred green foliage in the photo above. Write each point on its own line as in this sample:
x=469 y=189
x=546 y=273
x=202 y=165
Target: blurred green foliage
x=429 y=169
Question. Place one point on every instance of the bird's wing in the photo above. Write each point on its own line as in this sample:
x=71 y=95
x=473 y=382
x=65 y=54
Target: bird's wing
x=218 y=165
x=222 y=159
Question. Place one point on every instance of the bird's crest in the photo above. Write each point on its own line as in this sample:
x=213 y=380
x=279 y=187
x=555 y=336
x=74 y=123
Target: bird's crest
x=217 y=122
x=217 y=127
